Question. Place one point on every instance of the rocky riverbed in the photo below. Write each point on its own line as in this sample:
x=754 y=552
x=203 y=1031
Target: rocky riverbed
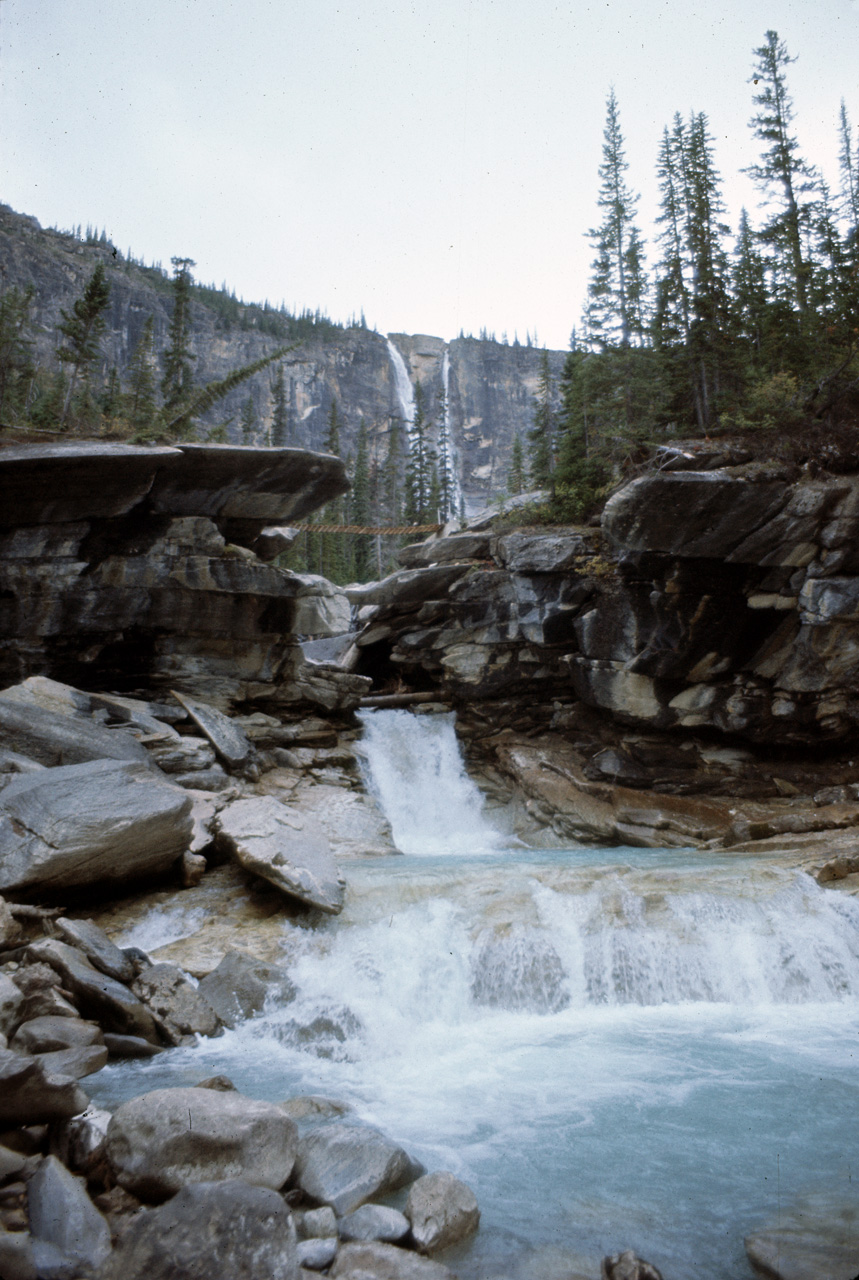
x=169 y=739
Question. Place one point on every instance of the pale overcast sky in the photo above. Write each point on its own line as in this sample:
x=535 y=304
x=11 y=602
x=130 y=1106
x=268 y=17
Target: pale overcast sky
x=434 y=164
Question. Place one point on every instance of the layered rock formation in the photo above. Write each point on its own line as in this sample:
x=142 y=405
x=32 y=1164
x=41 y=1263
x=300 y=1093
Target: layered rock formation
x=124 y=565
x=722 y=600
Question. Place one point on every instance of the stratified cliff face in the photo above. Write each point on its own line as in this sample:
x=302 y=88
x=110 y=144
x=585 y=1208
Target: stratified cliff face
x=723 y=600
x=490 y=386
x=123 y=565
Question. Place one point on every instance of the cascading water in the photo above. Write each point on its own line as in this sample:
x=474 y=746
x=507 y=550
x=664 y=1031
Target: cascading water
x=403 y=385
x=616 y=1048
x=419 y=780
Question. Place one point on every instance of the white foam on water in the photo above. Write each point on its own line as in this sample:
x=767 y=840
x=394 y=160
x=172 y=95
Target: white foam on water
x=161 y=926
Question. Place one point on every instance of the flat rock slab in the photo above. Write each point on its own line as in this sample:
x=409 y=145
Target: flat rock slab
x=100 y=822
x=344 y=1165
x=105 y=1000
x=212 y=1231
x=813 y=1241
x=385 y=1262
x=286 y=847
x=53 y=738
x=160 y=1141
x=225 y=735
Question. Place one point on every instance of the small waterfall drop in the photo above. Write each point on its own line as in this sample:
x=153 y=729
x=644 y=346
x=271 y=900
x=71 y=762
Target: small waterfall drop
x=453 y=466
x=414 y=768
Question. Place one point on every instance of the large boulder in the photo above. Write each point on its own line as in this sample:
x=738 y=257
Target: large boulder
x=160 y=1141
x=442 y=1211
x=104 y=821
x=53 y=738
x=212 y=1231
x=344 y=1165
x=97 y=947
x=30 y=1094
x=238 y=987
x=62 y=1214
x=284 y=846
x=170 y=994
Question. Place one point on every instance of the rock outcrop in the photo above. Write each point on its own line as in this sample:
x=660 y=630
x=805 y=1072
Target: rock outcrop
x=123 y=565
x=724 y=600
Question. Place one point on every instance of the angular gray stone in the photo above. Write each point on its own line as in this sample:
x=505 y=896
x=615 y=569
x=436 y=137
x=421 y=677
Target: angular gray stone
x=97 y=947
x=374 y=1222
x=101 y=998
x=316 y=1224
x=77 y=1062
x=16 y=1256
x=545 y=552
x=62 y=1214
x=53 y=1034
x=225 y=735
x=285 y=847
x=100 y=822
x=628 y=1266
x=187 y=754
x=11 y=932
x=30 y=1095
x=238 y=987
x=212 y=1231
x=160 y=1141
x=129 y=1046
x=11 y=1005
x=372 y=1260
x=79 y=1142
x=344 y=1165
x=442 y=1211
x=169 y=993
x=318 y=1253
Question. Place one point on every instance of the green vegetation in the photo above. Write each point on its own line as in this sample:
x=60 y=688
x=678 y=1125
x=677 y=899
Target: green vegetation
x=758 y=336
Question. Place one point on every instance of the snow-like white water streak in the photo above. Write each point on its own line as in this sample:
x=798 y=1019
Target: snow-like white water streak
x=403 y=385
x=419 y=779
x=616 y=1048
x=453 y=467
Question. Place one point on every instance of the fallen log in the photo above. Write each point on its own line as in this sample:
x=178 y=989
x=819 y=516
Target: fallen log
x=398 y=699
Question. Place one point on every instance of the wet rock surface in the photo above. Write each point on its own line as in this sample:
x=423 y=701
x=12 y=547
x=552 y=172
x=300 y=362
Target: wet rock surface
x=345 y=1165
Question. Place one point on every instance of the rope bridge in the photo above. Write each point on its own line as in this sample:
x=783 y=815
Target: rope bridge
x=368 y=528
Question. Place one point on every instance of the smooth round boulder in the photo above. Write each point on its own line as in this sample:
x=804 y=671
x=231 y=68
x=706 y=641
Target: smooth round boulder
x=158 y=1143
x=212 y=1231
x=442 y=1211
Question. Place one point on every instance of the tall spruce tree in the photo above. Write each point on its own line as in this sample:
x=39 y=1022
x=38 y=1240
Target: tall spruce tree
x=17 y=368
x=280 y=410
x=781 y=174
x=177 y=357
x=140 y=404
x=618 y=286
x=541 y=437
x=361 y=505
x=82 y=329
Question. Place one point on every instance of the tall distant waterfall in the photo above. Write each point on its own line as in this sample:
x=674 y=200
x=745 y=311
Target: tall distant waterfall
x=616 y=1048
x=403 y=384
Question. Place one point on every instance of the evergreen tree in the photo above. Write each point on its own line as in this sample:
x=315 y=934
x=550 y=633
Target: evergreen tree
x=848 y=162
x=751 y=303
x=541 y=450
x=618 y=287
x=82 y=330
x=516 y=477
x=17 y=369
x=280 y=411
x=140 y=406
x=332 y=550
x=447 y=481
x=782 y=174
x=177 y=357
x=248 y=421
x=361 y=506
x=419 y=467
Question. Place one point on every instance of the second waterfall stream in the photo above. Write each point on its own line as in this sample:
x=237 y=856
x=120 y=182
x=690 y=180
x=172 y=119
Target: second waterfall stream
x=616 y=1048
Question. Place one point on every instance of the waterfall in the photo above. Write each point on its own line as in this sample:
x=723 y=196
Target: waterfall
x=402 y=385
x=452 y=461
x=617 y=1048
x=414 y=768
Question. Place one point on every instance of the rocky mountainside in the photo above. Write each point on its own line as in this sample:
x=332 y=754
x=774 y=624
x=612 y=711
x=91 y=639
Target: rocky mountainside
x=490 y=386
